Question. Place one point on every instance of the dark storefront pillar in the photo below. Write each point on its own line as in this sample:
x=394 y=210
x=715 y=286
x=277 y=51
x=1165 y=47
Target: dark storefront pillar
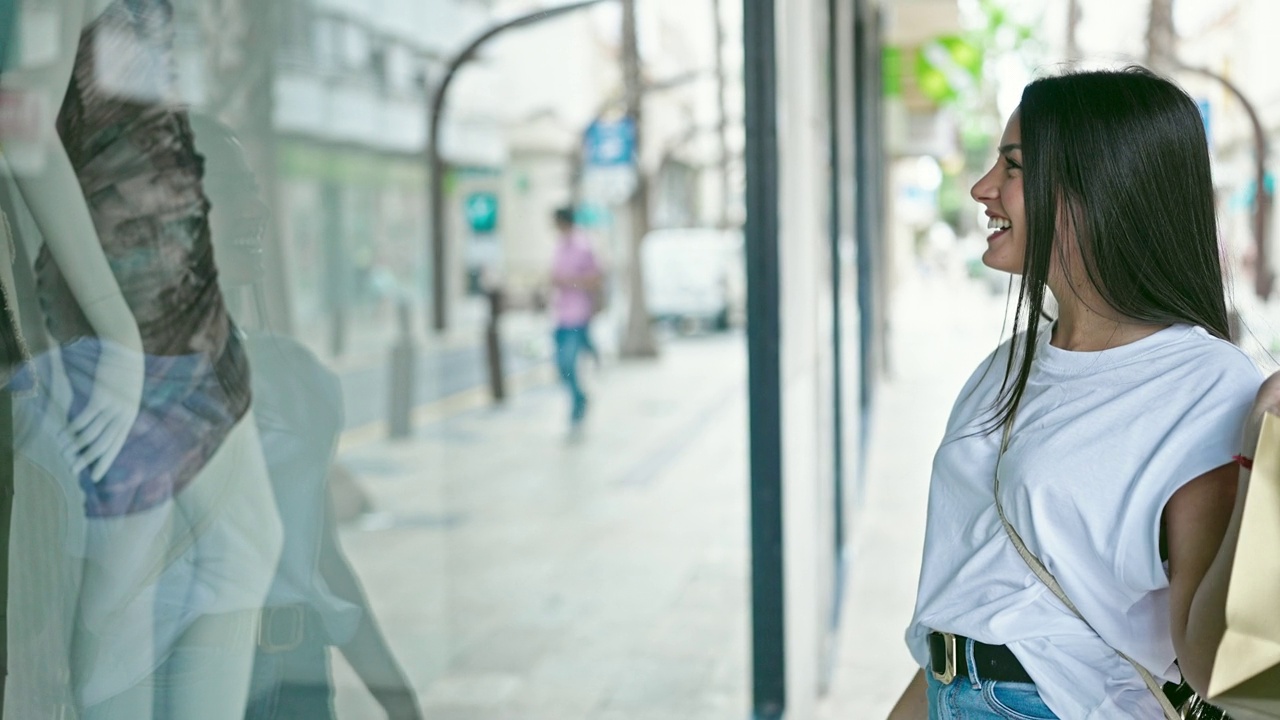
x=768 y=612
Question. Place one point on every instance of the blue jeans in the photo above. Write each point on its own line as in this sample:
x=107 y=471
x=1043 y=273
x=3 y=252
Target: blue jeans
x=570 y=342
x=973 y=698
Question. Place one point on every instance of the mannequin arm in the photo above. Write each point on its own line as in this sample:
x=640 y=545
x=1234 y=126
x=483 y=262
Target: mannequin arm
x=52 y=192
x=367 y=652
x=58 y=206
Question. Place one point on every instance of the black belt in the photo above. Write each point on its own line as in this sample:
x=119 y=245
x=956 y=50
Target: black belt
x=947 y=660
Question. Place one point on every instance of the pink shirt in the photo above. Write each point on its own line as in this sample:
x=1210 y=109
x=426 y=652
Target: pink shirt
x=573 y=261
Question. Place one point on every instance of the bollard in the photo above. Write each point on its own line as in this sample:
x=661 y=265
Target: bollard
x=493 y=347
x=403 y=360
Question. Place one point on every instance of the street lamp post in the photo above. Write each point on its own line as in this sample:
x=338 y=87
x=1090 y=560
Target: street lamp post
x=1263 y=278
x=438 y=310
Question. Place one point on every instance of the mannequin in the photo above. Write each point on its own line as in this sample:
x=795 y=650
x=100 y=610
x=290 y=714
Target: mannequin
x=316 y=600
x=144 y=398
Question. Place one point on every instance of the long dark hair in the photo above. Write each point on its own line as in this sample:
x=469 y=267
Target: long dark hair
x=1120 y=160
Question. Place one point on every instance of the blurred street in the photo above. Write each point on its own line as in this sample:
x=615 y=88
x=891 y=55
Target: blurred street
x=445 y=366
x=607 y=577
x=545 y=577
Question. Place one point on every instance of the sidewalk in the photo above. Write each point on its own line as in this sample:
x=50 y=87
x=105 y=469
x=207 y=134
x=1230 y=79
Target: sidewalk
x=941 y=331
x=522 y=575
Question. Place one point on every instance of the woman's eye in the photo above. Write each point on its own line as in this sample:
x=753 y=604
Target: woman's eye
x=1011 y=166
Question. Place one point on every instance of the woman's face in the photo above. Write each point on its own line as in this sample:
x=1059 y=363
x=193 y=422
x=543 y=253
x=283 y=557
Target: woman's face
x=1000 y=191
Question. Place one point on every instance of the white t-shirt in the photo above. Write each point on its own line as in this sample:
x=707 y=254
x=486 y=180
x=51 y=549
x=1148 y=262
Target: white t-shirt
x=1101 y=442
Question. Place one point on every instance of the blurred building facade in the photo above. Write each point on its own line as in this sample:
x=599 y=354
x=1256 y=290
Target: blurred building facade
x=344 y=95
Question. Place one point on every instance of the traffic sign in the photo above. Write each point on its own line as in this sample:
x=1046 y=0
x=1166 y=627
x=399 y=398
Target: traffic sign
x=610 y=143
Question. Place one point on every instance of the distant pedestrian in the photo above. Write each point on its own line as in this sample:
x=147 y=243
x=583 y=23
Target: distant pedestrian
x=576 y=278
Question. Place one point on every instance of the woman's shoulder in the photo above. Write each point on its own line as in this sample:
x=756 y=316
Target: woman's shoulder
x=1204 y=353
x=983 y=385
x=1201 y=367
x=991 y=366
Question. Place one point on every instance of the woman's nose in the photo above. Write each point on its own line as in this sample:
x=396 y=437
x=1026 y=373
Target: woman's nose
x=984 y=189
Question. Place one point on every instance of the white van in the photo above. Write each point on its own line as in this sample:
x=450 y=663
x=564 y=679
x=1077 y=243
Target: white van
x=695 y=276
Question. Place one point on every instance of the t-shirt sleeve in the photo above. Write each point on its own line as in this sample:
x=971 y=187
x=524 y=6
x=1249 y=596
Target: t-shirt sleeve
x=1203 y=421
x=917 y=644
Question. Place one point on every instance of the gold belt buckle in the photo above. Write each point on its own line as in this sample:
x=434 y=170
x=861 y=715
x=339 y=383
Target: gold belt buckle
x=949 y=670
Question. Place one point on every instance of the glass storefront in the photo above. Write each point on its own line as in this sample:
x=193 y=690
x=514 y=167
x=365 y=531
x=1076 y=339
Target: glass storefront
x=265 y=465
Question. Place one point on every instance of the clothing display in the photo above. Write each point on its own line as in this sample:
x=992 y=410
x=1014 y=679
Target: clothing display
x=149 y=580
x=127 y=587
x=298 y=409
x=134 y=156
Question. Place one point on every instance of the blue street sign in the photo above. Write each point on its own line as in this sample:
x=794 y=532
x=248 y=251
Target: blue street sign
x=1205 y=114
x=611 y=143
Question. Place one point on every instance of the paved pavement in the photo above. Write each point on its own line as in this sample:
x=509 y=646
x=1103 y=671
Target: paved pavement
x=525 y=575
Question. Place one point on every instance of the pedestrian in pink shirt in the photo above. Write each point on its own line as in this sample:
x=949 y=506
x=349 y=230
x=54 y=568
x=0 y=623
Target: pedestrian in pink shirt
x=576 y=277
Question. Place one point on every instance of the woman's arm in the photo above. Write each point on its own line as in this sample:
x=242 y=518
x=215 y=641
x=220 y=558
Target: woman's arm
x=914 y=703
x=1198 y=520
x=1203 y=524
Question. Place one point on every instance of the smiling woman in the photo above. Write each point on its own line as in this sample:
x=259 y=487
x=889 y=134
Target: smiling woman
x=1107 y=439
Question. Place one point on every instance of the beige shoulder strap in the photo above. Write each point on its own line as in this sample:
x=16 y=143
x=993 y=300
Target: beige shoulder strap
x=1048 y=579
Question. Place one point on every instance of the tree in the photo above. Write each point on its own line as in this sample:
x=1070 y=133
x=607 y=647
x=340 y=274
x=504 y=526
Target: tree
x=1161 y=38
x=1073 y=27
x=637 y=340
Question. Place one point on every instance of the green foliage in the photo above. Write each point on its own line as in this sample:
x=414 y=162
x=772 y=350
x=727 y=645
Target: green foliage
x=997 y=30
x=953 y=198
x=948 y=67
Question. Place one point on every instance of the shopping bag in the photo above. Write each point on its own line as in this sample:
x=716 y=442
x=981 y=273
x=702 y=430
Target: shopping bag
x=1246 y=671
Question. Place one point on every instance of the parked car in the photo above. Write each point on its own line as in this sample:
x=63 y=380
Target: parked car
x=695 y=277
